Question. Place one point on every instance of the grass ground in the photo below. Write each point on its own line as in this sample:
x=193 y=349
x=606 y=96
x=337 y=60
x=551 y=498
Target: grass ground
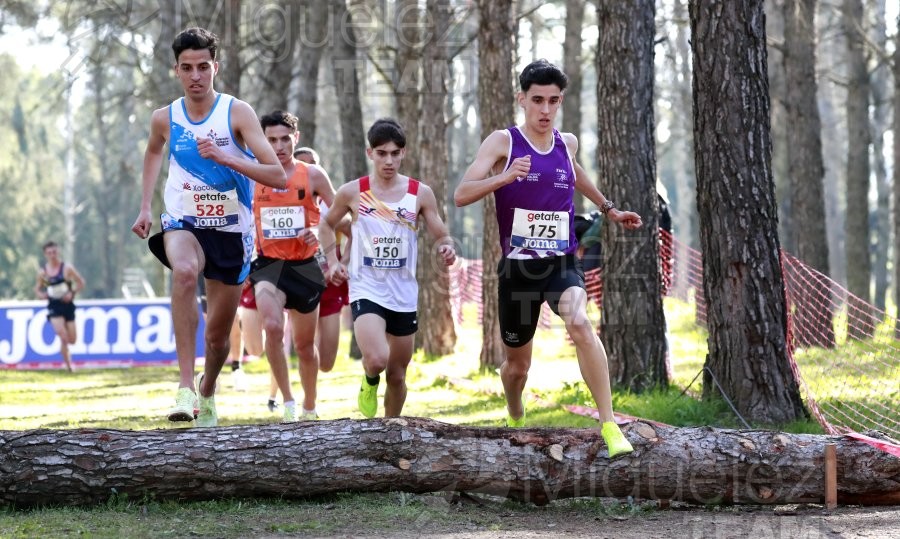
x=139 y=398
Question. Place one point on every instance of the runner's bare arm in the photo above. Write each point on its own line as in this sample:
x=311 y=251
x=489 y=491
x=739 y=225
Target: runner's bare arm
x=344 y=201
x=476 y=184
x=586 y=187
x=428 y=209
x=153 y=157
x=322 y=186
x=266 y=169
x=75 y=277
x=39 y=289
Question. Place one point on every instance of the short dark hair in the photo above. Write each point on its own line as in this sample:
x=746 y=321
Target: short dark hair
x=306 y=150
x=48 y=245
x=542 y=73
x=195 y=38
x=279 y=117
x=386 y=130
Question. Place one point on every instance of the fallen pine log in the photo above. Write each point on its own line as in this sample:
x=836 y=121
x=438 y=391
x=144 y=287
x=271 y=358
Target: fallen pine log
x=699 y=465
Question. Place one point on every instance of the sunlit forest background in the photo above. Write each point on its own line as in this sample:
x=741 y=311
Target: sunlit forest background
x=80 y=79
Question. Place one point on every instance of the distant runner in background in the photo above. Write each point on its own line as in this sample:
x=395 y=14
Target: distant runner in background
x=58 y=283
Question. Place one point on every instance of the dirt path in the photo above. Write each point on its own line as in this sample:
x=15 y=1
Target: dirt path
x=589 y=520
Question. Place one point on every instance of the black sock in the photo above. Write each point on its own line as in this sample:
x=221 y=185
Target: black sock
x=235 y=366
x=373 y=380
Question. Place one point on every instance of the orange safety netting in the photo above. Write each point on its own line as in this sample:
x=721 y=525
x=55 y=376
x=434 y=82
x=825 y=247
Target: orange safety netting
x=844 y=352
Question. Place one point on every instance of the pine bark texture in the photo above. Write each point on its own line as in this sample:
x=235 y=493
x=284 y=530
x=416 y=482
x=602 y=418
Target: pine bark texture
x=742 y=277
x=496 y=99
x=806 y=168
x=699 y=465
x=859 y=266
x=633 y=324
x=437 y=331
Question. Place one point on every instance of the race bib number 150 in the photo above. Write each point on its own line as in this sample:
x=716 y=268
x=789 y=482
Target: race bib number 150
x=385 y=252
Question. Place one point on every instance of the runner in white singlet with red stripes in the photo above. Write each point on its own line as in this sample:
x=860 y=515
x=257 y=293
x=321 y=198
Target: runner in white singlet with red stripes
x=386 y=208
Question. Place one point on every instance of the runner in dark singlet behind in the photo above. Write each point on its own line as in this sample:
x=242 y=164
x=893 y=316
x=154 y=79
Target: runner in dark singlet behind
x=58 y=283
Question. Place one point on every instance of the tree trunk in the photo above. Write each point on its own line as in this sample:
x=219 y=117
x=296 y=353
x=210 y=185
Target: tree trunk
x=896 y=129
x=742 y=278
x=228 y=27
x=858 y=256
x=697 y=465
x=686 y=180
x=496 y=32
x=831 y=96
x=162 y=88
x=806 y=169
x=276 y=56
x=437 y=333
x=407 y=79
x=775 y=30
x=346 y=83
x=571 y=117
x=632 y=324
x=317 y=19
x=880 y=84
x=345 y=67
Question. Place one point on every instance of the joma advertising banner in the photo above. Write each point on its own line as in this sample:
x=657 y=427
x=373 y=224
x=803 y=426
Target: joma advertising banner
x=111 y=333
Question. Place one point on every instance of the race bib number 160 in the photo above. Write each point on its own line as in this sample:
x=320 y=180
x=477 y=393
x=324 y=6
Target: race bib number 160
x=282 y=222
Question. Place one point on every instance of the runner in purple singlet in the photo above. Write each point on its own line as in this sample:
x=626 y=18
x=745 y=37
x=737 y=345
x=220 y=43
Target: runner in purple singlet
x=531 y=170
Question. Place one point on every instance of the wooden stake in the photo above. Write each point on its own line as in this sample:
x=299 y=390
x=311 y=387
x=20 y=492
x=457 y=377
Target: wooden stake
x=830 y=477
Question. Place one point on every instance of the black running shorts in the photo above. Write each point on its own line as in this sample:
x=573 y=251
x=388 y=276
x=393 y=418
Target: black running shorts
x=524 y=285
x=227 y=258
x=398 y=324
x=301 y=281
x=58 y=307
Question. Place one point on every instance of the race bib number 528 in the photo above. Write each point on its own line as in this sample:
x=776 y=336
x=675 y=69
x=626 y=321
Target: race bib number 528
x=211 y=209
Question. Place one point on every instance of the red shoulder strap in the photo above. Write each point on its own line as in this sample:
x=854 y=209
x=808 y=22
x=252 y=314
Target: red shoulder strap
x=413 y=187
x=364 y=184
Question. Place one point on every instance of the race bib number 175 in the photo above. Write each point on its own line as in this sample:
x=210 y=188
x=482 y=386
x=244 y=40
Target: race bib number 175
x=540 y=230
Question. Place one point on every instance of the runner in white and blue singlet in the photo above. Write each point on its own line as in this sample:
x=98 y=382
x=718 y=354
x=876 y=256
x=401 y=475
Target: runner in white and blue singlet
x=532 y=172
x=207 y=224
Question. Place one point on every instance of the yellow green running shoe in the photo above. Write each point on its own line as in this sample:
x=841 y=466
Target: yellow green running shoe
x=207 y=416
x=184 y=405
x=368 y=398
x=616 y=443
x=309 y=415
x=515 y=423
x=290 y=413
